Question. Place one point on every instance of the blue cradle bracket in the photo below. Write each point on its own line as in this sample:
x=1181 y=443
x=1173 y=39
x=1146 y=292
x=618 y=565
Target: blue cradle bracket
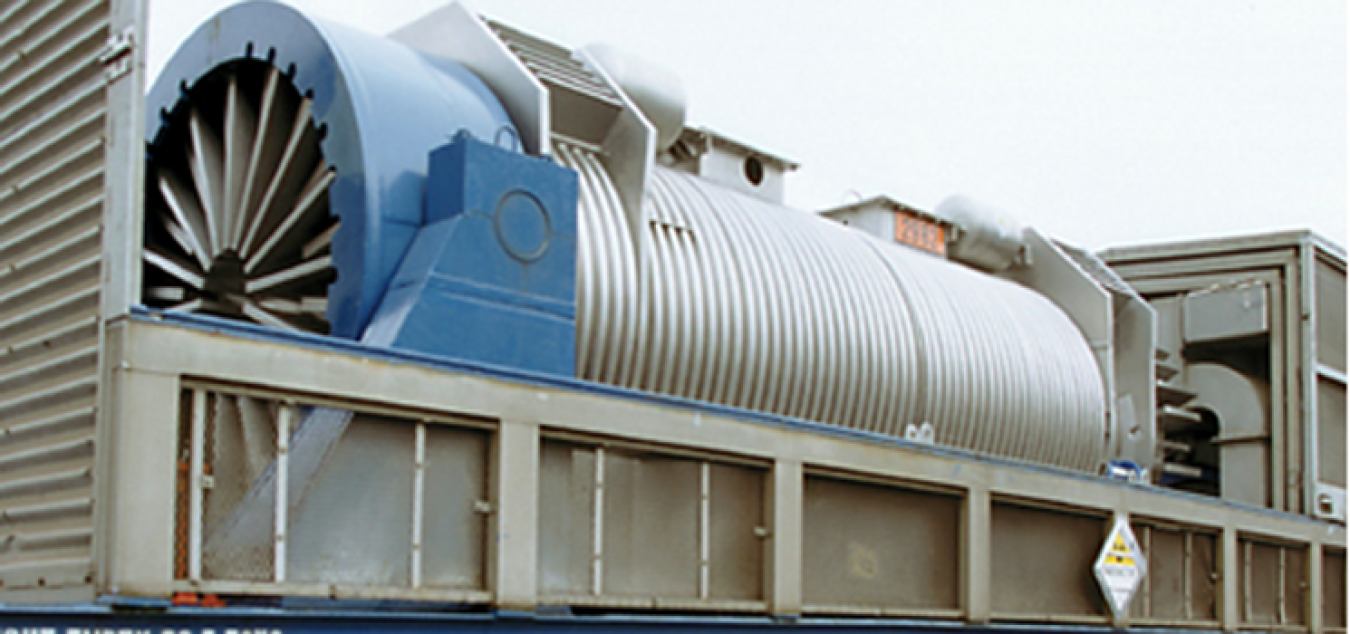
x=491 y=276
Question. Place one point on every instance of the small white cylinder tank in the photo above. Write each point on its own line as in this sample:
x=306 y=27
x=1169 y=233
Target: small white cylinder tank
x=988 y=238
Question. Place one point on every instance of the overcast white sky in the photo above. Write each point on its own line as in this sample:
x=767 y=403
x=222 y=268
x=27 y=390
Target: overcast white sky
x=1102 y=123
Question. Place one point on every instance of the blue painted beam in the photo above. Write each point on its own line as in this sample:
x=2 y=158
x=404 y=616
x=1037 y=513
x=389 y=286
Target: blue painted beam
x=83 y=619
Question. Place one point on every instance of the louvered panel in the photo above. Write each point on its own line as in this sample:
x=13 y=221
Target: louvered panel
x=47 y=371
x=555 y=64
x=53 y=119
x=34 y=573
x=15 y=217
x=50 y=69
x=26 y=327
x=52 y=177
x=70 y=446
x=22 y=163
x=56 y=335
x=66 y=276
x=47 y=508
x=75 y=410
x=43 y=259
x=52 y=122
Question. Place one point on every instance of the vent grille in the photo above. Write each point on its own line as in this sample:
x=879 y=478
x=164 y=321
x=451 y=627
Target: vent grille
x=1097 y=269
x=52 y=117
x=554 y=64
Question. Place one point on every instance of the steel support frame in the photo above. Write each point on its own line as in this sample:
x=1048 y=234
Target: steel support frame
x=1290 y=259
x=154 y=359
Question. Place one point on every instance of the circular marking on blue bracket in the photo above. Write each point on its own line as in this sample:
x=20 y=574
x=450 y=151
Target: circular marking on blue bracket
x=522 y=226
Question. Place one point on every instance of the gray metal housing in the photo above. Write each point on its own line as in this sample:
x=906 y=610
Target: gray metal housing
x=1251 y=333
x=71 y=85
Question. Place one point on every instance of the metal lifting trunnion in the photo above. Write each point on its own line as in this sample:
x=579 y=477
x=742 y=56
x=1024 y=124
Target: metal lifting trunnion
x=463 y=320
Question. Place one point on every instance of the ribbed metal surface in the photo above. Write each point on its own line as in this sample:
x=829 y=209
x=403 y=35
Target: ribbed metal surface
x=1097 y=269
x=606 y=275
x=554 y=64
x=52 y=109
x=752 y=305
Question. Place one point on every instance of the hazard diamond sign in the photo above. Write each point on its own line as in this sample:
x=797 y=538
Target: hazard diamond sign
x=1120 y=567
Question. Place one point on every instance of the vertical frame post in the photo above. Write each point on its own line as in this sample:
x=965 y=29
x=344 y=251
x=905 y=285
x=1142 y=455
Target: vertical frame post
x=418 y=503
x=196 y=489
x=1308 y=425
x=1145 y=592
x=598 y=526
x=142 y=458
x=124 y=162
x=1314 y=596
x=1281 y=601
x=704 y=528
x=784 y=557
x=514 y=528
x=1279 y=412
x=1187 y=573
x=1247 y=581
x=1231 y=578
x=976 y=550
x=123 y=193
x=284 y=421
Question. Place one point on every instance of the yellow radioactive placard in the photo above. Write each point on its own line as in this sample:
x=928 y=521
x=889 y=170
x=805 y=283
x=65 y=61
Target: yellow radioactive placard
x=1121 y=566
x=1120 y=552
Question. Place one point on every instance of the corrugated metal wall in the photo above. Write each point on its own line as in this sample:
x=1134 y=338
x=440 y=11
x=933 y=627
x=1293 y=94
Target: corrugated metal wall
x=53 y=108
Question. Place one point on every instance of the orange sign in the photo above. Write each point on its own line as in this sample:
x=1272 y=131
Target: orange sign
x=920 y=234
